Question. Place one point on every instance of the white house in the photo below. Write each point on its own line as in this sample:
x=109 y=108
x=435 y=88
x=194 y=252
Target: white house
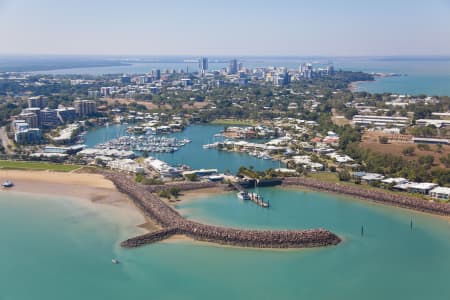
x=441 y=193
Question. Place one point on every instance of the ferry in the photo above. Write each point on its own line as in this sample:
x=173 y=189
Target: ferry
x=7 y=184
x=243 y=196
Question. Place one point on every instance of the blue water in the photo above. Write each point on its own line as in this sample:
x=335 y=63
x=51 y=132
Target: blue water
x=192 y=154
x=426 y=75
x=56 y=248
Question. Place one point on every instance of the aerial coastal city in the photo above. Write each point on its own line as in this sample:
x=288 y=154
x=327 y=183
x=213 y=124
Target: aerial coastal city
x=222 y=166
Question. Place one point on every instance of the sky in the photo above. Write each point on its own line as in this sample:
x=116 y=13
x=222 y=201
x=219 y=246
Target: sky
x=225 y=27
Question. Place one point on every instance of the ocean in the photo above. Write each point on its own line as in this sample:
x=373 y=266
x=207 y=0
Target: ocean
x=60 y=248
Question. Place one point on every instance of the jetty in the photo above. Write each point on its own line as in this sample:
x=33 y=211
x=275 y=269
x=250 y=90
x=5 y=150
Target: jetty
x=255 y=197
x=173 y=223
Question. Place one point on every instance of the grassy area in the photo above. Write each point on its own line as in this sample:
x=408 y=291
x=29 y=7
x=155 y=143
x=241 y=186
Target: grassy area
x=30 y=165
x=325 y=176
x=233 y=122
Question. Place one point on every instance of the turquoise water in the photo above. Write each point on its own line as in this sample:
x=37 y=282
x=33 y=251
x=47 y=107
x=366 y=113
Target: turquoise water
x=59 y=249
x=429 y=76
x=192 y=154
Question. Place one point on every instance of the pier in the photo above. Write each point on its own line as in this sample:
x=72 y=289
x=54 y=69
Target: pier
x=173 y=223
x=245 y=195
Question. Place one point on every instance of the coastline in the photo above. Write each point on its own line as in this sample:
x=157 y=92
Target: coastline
x=398 y=200
x=354 y=86
x=90 y=190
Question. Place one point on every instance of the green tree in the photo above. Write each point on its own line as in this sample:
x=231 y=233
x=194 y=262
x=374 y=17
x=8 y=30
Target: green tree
x=409 y=151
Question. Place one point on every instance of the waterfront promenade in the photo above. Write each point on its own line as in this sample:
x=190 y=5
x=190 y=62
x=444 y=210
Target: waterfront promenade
x=173 y=223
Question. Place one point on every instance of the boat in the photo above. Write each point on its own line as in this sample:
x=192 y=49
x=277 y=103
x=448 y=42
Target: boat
x=7 y=184
x=114 y=261
x=243 y=196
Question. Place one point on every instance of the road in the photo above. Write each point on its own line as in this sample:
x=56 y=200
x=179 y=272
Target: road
x=5 y=140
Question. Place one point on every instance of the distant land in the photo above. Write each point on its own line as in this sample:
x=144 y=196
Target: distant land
x=46 y=63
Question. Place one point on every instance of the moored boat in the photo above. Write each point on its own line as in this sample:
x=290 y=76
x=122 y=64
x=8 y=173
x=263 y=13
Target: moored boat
x=243 y=196
x=7 y=184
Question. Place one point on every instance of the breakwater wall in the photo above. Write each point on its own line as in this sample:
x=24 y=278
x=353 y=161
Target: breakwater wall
x=372 y=195
x=173 y=223
x=183 y=186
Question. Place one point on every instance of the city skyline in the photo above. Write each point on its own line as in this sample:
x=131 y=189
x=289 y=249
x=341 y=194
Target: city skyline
x=225 y=28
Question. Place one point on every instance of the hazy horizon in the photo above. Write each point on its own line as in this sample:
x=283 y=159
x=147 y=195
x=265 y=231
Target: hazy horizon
x=225 y=28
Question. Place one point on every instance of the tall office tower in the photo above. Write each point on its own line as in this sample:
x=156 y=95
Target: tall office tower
x=156 y=74
x=233 y=67
x=203 y=65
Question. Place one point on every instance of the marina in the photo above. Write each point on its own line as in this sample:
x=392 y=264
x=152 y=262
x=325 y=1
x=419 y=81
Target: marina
x=148 y=143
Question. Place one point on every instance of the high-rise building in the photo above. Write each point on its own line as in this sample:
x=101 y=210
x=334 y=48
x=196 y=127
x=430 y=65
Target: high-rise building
x=66 y=114
x=28 y=136
x=38 y=101
x=85 y=107
x=48 y=118
x=106 y=91
x=203 y=65
x=330 y=70
x=30 y=118
x=233 y=67
x=156 y=74
x=125 y=79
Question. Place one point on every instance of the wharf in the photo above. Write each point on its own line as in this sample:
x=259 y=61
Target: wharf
x=258 y=199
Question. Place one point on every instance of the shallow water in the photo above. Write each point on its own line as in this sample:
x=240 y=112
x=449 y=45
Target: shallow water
x=61 y=249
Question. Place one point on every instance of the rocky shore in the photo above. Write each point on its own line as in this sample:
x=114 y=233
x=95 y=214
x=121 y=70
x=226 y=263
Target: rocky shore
x=380 y=196
x=173 y=223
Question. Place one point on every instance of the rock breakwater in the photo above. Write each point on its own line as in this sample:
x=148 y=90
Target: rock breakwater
x=173 y=223
x=372 y=195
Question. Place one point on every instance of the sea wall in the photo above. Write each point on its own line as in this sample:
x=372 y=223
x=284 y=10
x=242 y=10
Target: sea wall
x=173 y=223
x=183 y=186
x=373 y=195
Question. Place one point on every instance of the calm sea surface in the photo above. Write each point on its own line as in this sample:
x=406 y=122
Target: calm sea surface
x=58 y=248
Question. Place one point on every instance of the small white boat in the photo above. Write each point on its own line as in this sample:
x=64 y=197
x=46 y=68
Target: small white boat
x=243 y=196
x=7 y=184
x=114 y=261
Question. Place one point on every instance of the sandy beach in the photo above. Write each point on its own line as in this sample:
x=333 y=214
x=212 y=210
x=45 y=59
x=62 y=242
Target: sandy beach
x=90 y=189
